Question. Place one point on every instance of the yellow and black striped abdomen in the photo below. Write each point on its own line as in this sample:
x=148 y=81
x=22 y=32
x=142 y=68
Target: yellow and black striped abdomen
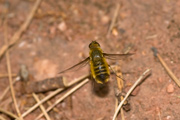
x=99 y=68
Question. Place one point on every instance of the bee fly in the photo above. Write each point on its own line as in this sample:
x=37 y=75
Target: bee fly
x=98 y=64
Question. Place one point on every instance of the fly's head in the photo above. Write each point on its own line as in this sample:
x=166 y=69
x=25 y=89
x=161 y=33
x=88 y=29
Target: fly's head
x=94 y=44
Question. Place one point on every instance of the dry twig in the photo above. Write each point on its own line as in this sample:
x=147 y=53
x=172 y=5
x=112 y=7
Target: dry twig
x=41 y=106
x=65 y=96
x=9 y=113
x=1 y=118
x=120 y=84
x=53 y=94
x=5 y=91
x=144 y=75
x=15 y=38
x=13 y=41
x=114 y=19
x=171 y=74
x=44 y=85
x=9 y=72
x=50 y=103
x=6 y=75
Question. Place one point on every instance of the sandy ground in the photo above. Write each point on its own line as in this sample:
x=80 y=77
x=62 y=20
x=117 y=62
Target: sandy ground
x=59 y=36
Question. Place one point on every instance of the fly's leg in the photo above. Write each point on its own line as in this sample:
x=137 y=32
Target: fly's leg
x=115 y=73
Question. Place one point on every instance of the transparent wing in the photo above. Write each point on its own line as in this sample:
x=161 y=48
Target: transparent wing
x=116 y=56
x=76 y=66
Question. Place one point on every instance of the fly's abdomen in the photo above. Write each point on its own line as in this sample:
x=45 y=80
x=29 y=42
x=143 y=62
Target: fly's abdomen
x=99 y=66
x=101 y=71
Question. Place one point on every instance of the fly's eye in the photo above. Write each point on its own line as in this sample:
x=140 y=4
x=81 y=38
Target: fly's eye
x=90 y=45
x=96 y=43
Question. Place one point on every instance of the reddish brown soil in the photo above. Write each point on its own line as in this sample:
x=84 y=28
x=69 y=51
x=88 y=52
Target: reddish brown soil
x=58 y=38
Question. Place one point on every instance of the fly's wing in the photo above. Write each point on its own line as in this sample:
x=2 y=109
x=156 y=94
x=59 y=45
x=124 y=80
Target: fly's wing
x=77 y=66
x=116 y=56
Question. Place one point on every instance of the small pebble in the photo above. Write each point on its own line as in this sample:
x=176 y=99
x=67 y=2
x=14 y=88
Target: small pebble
x=52 y=30
x=115 y=32
x=62 y=26
x=63 y=104
x=81 y=55
x=170 y=88
x=22 y=44
x=105 y=20
x=168 y=117
x=160 y=80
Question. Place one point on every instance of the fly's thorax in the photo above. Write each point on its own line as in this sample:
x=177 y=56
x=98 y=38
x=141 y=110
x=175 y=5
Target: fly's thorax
x=96 y=54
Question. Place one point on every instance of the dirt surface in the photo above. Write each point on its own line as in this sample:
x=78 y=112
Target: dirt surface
x=59 y=36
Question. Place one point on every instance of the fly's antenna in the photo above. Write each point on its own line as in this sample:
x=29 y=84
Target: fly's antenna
x=115 y=73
